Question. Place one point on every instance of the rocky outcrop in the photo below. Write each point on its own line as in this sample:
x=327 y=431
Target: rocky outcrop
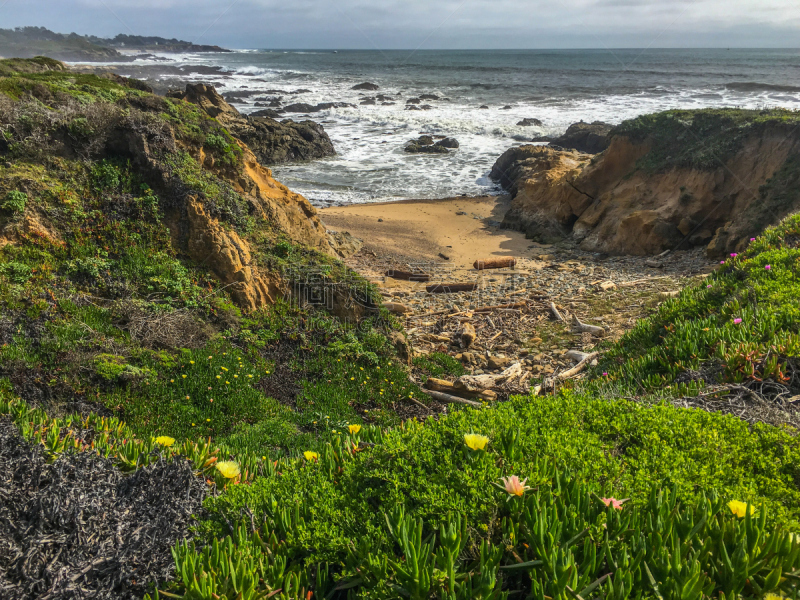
x=637 y=198
x=591 y=138
x=366 y=86
x=271 y=141
x=529 y=123
x=343 y=243
x=424 y=144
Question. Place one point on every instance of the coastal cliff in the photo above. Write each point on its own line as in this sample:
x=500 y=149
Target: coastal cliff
x=76 y=142
x=678 y=179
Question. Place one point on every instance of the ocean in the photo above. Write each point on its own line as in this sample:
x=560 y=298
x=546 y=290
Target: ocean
x=558 y=87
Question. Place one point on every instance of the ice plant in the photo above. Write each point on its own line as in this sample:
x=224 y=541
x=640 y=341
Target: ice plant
x=752 y=239
x=739 y=508
x=613 y=502
x=768 y=267
x=165 y=440
x=354 y=429
x=310 y=455
x=228 y=468
x=737 y=320
x=734 y=255
x=514 y=486
x=476 y=441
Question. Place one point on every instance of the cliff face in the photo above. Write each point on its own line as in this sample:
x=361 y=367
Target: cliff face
x=675 y=180
x=223 y=210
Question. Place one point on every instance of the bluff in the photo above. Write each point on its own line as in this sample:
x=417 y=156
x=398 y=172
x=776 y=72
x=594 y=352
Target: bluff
x=82 y=153
x=676 y=179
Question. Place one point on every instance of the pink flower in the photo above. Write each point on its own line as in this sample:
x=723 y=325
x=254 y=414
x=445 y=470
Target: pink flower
x=722 y=262
x=605 y=374
x=768 y=267
x=709 y=285
x=752 y=239
x=613 y=502
x=737 y=321
x=734 y=255
x=514 y=486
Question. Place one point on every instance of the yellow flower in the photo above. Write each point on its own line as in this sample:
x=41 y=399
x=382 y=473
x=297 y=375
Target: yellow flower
x=310 y=455
x=218 y=377
x=191 y=362
x=476 y=441
x=236 y=376
x=250 y=376
x=354 y=428
x=165 y=440
x=739 y=508
x=184 y=376
x=172 y=381
x=228 y=468
x=773 y=597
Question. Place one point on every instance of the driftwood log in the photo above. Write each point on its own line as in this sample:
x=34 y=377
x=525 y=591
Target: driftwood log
x=477 y=383
x=450 y=288
x=579 y=367
x=396 y=308
x=408 y=275
x=442 y=397
x=495 y=263
x=440 y=385
x=584 y=328
x=556 y=315
x=467 y=335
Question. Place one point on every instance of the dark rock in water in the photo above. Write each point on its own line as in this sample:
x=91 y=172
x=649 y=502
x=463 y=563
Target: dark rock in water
x=413 y=101
x=448 y=143
x=271 y=141
x=267 y=112
x=412 y=107
x=368 y=102
x=484 y=106
x=301 y=91
x=425 y=107
x=520 y=138
x=384 y=98
x=591 y=138
x=429 y=97
x=388 y=103
x=302 y=107
x=366 y=86
x=542 y=138
x=424 y=145
x=506 y=107
x=529 y=123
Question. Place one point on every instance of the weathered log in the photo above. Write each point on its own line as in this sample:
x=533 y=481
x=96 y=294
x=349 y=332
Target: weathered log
x=396 y=308
x=408 y=275
x=501 y=306
x=450 y=288
x=577 y=368
x=476 y=383
x=440 y=385
x=442 y=397
x=467 y=335
x=584 y=328
x=556 y=315
x=495 y=263
x=576 y=355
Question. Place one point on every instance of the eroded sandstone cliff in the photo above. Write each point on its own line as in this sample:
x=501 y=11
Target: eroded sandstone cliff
x=673 y=180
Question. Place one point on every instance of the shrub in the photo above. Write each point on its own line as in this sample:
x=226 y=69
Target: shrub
x=15 y=201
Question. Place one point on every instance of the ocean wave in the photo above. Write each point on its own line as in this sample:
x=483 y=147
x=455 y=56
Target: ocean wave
x=754 y=86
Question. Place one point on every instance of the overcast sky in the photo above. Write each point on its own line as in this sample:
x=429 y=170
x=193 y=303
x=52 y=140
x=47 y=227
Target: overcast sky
x=426 y=24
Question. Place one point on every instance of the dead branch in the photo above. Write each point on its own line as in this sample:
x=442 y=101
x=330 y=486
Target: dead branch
x=577 y=326
x=442 y=397
x=556 y=315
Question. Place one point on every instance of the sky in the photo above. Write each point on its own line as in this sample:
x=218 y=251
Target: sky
x=426 y=24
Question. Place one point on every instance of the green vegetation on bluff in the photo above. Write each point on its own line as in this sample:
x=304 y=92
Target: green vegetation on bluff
x=325 y=488
x=699 y=139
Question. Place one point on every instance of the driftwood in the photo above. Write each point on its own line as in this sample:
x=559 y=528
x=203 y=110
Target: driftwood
x=501 y=306
x=449 y=288
x=396 y=308
x=583 y=327
x=442 y=397
x=477 y=383
x=579 y=367
x=556 y=315
x=408 y=275
x=495 y=263
x=440 y=385
x=467 y=335
x=576 y=355
x=641 y=281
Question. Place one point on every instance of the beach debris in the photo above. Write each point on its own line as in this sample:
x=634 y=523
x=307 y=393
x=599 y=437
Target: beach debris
x=467 y=335
x=408 y=275
x=443 y=256
x=450 y=399
x=500 y=262
x=396 y=308
x=554 y=310
x=583 y=327
x=579 y=367
x=509 y=306
x=607 y=285
x=450 y=288
x=441 y=385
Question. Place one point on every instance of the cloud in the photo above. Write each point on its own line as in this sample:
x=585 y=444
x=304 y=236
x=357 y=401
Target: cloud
x=409 y=23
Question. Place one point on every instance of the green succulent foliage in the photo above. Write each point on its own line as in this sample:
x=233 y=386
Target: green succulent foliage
x=15 y=201
x=741 y=324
